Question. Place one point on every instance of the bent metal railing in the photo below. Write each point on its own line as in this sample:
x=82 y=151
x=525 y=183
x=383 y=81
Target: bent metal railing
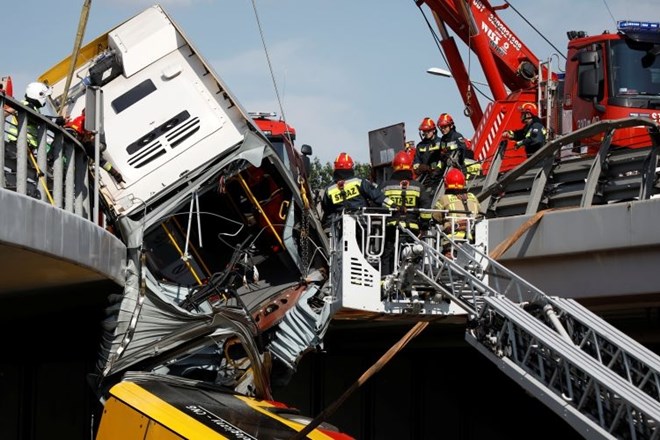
x=598 y=171
x=52 y=168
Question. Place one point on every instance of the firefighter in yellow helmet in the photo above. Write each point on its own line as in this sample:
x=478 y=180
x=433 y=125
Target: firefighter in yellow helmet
x=532 y=136
x=408 y=195
x=457 y=205
x=349 y=192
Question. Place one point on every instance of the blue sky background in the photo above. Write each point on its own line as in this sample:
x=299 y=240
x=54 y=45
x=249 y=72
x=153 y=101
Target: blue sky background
x=342 y=67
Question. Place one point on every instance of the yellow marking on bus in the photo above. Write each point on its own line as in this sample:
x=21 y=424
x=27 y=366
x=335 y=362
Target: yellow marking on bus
x=162 y=412
x=60 y=70
x=262 y=407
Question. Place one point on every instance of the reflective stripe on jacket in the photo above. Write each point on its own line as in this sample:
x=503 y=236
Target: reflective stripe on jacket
x=458 y=206
x=352 y=194
x=344 y=193
x=428 y=152
x=472 y=168
x=406 y=193
x=32 y=130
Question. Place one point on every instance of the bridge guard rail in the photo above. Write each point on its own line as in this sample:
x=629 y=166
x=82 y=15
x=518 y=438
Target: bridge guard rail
x=55 y=170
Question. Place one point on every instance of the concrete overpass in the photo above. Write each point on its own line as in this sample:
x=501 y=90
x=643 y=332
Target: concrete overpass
x=44 y=247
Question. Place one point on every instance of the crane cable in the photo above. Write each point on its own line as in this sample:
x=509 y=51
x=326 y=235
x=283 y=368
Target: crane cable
x=534 y=28
x=609 y=11
x=306 y=211
x=436 y=39
x=272 y=74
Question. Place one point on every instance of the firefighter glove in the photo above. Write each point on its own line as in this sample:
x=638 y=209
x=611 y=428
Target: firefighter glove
x=116 y=175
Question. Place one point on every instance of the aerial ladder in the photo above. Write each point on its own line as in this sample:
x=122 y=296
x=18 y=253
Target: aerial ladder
x=602 y=382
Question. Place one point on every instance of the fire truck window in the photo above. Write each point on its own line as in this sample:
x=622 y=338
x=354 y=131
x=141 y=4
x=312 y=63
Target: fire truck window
x=635 y=70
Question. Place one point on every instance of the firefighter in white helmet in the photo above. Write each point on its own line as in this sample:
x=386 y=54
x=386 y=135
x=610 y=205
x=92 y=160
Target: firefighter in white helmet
x=36 y=97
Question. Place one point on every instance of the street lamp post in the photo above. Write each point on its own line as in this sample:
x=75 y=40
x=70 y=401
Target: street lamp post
x=439 y=72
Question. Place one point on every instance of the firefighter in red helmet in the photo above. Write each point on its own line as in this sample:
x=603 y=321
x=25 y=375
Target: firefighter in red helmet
x=533 y=135
x=428 y=155
x=76 y=127
x=459 y=209
x=452 y=144
x=349 y=192
x=427 y=151
x=408 y=195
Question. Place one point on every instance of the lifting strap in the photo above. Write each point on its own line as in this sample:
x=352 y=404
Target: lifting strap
x=375 y=368
x=504 y=246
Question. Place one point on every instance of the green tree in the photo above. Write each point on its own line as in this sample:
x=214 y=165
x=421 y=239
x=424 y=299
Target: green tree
x=363 y=170
x=321 y=174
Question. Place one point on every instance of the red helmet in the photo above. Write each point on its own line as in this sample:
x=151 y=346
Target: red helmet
x=454 y=179
x=77 y=125
x=344 y=162
x=445 y=119
x=402 y=161
x=427 y=125
x=530 y=108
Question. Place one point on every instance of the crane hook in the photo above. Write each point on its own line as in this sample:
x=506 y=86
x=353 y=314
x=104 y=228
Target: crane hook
x=467 y=111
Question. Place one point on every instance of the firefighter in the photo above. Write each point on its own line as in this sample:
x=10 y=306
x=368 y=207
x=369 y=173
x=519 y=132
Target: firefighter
x=428 y=156
x=349 y=192
x=532 y=135
x=458 y=204
x=452 y=144
x=472 y=166
x=411 y=150
x=36 y=95
x=77 y=128
x=407 y=195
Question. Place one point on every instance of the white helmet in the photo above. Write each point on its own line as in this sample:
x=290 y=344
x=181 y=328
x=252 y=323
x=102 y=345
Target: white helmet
x=38 y=91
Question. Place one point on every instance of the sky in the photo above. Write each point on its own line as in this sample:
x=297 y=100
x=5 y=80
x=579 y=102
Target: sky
x=339 y=69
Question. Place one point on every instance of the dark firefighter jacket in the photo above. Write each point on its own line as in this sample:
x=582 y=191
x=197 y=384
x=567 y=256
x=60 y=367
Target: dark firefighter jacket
x=429 y=152
x=407 y=194
x=453 y=146
x=531 y=136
